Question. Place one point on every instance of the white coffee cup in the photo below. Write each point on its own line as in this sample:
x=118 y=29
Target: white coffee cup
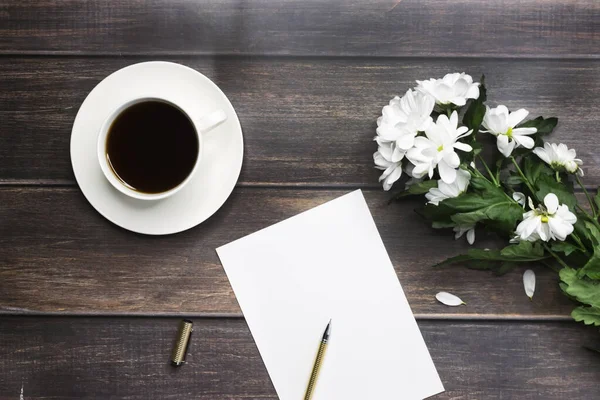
x=201 y=126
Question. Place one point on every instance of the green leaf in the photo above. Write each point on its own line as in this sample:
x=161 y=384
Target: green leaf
x=475 y=112
x=583 y=232
x=544 y=126
x=474 y=116
x=597 y=199
x=592 y=233
x=513 y=180
x=480 y=184
x=505 y=268
x=547 y=184
x=464 y=203
x=484 y=202
x=582 y=289
x=576 y=259
x=502 y=216
x=482 y=89
x=592 y=268
x=587 y=315
x=523 y=251
x=443 y=224
x=563 y=247
x=534 y=167
x=417 y=189
x=480 y=265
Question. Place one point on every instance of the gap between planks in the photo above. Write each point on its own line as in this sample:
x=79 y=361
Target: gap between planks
x=65 y=183
x=208 y=54
x=19 y=312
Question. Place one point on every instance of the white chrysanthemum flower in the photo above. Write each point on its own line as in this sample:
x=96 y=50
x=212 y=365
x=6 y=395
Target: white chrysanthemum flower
x=550 y=221
x=451 y=89
x=403 y=117
x=461 y=230
x=445 y=190
x=560 y=158
x=500 y=123
x=384 y=160
x=393 y=152
x=437 y=148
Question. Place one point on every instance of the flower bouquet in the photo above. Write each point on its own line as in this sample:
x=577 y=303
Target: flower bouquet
x=482 y=167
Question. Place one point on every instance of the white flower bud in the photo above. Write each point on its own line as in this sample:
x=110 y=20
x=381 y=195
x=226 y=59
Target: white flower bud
x=559 y=156
x=571 y=166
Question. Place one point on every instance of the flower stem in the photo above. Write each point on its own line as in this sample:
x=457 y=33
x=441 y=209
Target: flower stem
x=587 y=214
x=580 y=243
x=478 y=173
x=589 y=198
x=488 y=169
x=522 y=175
x=560 y=261
x=549 y=265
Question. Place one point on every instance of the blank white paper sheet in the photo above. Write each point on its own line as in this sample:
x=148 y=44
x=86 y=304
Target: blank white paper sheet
x=330 y=262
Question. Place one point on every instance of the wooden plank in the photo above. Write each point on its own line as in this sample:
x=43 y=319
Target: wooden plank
x=74 y=358
x=511 y=28
x=305 y=121
x=58 y=255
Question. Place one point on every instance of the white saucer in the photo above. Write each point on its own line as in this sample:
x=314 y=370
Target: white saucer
x=221 y=159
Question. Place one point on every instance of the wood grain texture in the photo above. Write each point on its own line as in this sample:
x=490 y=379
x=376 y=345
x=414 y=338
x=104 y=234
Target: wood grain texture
x=127 y=358
x=305 y=121
x=308 y=112
x=510 y=28
x=57 y=254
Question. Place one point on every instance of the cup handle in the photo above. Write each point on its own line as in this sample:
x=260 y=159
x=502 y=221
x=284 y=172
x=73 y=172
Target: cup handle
x=211 y=121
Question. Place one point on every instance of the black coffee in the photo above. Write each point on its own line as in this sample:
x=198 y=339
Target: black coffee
x=152 y=146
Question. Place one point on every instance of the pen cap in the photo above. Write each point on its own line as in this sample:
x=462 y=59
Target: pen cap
x=182 y=343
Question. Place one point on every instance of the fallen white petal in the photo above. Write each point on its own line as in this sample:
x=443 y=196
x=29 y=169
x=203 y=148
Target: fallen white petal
x=449 y=299
x=529 y=283
x=519 y=198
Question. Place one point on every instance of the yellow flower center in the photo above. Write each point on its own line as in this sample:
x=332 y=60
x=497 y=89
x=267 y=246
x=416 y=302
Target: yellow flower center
x=440 y=148
x=545 y=218
x=509 y=132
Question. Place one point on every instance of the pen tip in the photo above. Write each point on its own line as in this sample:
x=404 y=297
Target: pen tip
x=328 y=328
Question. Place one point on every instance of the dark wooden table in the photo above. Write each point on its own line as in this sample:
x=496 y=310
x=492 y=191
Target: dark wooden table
x=89 y=310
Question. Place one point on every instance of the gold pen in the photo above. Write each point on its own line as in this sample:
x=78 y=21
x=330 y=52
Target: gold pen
x=318 y=361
